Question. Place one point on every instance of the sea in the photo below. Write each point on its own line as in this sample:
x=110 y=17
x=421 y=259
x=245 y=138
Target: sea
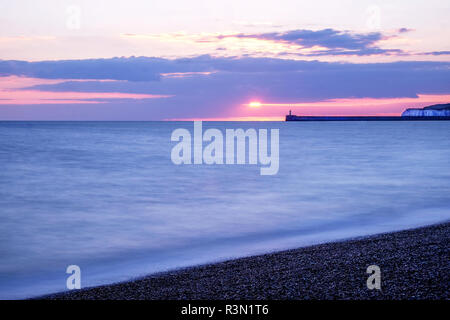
x=106 y=196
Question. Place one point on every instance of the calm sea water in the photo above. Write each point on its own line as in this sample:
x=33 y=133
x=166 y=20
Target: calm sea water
x=106 y=196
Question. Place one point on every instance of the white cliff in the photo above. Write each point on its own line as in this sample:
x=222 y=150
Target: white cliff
x=438 y=110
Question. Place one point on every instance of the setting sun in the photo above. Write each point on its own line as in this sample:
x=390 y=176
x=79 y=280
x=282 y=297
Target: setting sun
x=255 y=104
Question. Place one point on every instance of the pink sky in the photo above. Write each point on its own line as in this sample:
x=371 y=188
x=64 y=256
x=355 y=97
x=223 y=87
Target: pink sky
x=12 y=93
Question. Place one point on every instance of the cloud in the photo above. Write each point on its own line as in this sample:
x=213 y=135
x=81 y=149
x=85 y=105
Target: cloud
x=437 y=53
x=360 y=52
x=211 y=87
x=325 y=42
x=404 y=30
x=328 y=38
x=135 y=69
x=301 y=42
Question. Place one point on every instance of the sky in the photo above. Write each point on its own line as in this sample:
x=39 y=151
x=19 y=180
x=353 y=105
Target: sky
x=220 y=60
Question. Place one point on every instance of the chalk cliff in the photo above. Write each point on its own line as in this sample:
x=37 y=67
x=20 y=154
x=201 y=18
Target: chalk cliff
x=437 y=110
